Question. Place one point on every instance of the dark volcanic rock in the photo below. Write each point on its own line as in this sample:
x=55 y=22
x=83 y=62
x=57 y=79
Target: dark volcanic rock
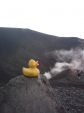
x=71 y=99
x=26 y=95
x=67 y=78
x=68 y=92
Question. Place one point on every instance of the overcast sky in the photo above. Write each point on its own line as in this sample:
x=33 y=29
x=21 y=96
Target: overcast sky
x=55 y=17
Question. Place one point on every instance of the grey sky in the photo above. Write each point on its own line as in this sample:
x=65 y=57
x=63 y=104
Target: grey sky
x=56 y=17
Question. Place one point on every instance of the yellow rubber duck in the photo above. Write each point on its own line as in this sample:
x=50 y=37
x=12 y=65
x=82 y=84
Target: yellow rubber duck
x=32 y=70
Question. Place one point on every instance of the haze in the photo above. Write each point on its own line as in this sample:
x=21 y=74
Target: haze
x=55 y=17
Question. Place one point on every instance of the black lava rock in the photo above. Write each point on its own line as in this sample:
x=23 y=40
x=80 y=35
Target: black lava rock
x=26 y=95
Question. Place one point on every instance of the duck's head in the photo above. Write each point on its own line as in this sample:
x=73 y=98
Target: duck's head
x=32 y=63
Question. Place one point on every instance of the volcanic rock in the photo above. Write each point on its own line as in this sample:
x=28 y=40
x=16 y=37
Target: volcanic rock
x=67 y=78
x=26 y=95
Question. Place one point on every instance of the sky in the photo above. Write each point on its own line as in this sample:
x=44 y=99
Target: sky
x=55 y=17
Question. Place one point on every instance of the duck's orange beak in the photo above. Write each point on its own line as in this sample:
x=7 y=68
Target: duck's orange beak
x=37 y=63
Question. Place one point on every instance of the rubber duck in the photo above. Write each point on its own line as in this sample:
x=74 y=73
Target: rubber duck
x=32 y=70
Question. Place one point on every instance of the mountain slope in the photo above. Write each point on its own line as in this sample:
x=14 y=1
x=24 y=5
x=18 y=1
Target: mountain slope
x=26 y=95
x=17 y=46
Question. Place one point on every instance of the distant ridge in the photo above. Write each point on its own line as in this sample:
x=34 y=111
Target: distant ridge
x=18 y=45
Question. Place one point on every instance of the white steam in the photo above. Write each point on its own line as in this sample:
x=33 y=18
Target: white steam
x=47 y=75
x=67 y=59
x=59 y=67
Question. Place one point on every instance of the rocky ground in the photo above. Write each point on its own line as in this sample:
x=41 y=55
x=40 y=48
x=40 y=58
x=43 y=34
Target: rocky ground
x=26 y=95
x=69 y=99
x=30 y=95
x=69 y=92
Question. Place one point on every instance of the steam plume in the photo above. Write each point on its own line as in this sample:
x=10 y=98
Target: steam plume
x=67 y=59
